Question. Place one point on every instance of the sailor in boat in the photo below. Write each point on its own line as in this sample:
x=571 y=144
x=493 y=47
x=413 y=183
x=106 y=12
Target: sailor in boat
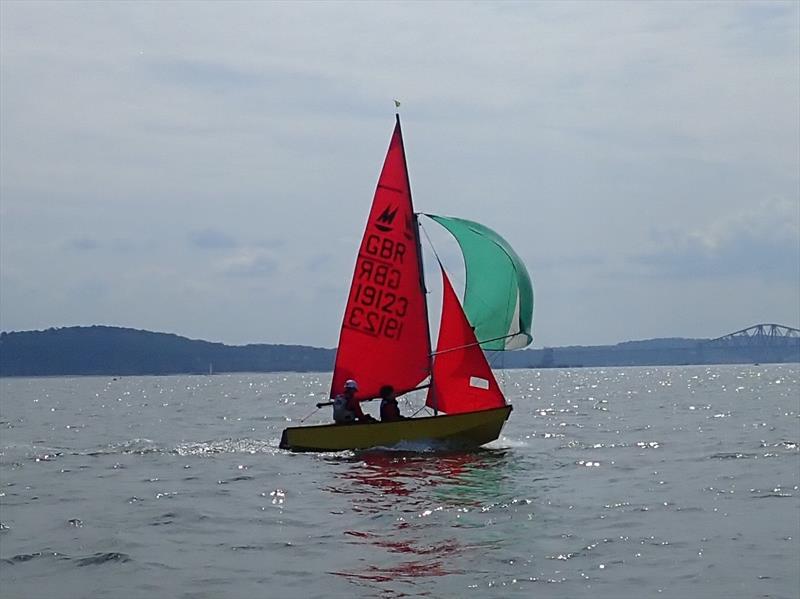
x=389 y=409
x=347 y=408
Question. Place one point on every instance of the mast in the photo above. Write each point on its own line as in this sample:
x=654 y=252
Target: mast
x=415 y=228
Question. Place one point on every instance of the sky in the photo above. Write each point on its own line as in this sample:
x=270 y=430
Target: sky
x=206 y=168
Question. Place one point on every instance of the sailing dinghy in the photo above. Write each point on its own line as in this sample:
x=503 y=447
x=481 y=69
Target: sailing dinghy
x=385 y=338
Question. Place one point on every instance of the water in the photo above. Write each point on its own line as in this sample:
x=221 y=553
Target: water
x=617 y=482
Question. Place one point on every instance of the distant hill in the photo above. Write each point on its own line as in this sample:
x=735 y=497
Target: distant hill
x=103 y=350
x=119 y=351
x=673 y=351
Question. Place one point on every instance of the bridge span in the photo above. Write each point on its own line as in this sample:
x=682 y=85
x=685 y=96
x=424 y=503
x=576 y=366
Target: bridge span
x=759 y=335
x=766 y=342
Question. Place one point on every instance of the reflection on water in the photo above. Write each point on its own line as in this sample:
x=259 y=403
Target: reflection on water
x=378 y=478
x=413 y=504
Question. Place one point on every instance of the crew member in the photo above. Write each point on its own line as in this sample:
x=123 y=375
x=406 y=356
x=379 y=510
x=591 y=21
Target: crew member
x=347 y=408
x=389 y=409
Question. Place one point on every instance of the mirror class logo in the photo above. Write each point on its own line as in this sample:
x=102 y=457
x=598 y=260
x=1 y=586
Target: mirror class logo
x=386 y=218
x=385 y=222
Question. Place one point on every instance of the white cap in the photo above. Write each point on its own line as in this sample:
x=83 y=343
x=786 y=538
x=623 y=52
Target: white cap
x=351 y=384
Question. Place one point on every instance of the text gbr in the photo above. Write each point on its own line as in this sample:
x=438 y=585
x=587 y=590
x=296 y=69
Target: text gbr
x=378 y=305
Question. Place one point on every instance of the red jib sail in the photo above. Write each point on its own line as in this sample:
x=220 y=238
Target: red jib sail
x=385 y=338
x=462 y=380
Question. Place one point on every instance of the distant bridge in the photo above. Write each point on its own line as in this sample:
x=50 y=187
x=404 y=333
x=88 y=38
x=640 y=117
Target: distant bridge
x=758 y=343
x=759 y=335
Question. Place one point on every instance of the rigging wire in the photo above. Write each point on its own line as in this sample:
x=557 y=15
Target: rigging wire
x=424 y=407
x=449 y=349
x=430 y=242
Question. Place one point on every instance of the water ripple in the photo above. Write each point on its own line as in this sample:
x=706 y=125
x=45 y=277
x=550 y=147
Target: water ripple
x=680 y=453
x=103 y=558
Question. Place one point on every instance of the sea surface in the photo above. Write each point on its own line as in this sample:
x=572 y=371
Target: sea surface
x=606 y=483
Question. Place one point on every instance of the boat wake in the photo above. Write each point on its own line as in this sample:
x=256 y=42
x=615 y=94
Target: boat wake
x=188 y=448
x=251 y=446
x=506 y=443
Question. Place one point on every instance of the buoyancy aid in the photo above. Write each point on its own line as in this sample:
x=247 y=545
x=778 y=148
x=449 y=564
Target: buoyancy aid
x=390 y=410
x=341 y=413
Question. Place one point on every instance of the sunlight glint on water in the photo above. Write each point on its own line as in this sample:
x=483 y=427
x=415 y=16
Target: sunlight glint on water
x=614 y=482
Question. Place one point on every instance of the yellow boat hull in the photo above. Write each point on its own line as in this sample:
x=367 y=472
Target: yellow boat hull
x=451 y=431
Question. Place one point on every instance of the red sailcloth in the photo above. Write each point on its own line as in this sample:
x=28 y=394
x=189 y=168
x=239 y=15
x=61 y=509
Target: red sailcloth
x=384 y=338
x=462 y=380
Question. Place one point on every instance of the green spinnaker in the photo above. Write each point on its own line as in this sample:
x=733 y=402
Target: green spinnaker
x=498 y=297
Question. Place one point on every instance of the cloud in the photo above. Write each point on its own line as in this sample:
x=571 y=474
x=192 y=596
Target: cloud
x=212 y=239
x=216 y=77
x=250 y=263
x=318 y=263
x=603 y=140
x=83 y=244
x=761 y=241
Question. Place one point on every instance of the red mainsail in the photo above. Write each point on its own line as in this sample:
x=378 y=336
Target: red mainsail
x=462 y=380
x=385 y=338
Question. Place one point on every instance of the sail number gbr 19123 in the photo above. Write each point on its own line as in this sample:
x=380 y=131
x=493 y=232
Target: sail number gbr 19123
x=377 y=303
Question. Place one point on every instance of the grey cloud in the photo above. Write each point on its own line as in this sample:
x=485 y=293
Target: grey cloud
x=212 y=239
x=257 y=268
x=83 y=244
x=204 y=74
x=318 y=262
x=272 y=244
x=773 y=259
x=249 y=263
x=268 y=86
x=761 y=240
x=570 y=128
